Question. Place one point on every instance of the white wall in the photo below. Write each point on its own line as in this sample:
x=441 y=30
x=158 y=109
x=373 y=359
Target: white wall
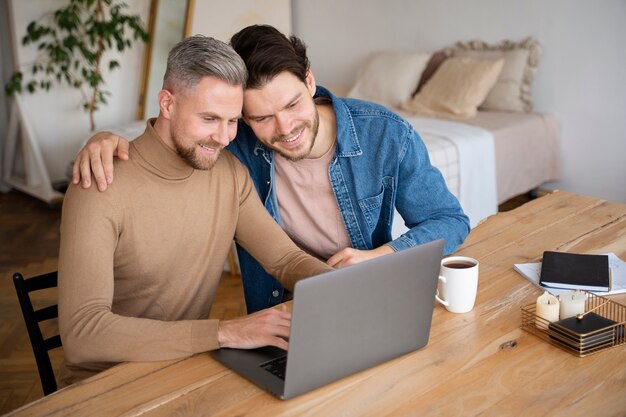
x=57 y=117
x=221 y=19
x=581 y=77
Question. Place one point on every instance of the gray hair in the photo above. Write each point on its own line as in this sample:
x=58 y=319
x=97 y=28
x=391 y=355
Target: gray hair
x=202 y=56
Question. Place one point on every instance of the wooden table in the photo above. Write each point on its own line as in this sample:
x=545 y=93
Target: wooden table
x=470 y=367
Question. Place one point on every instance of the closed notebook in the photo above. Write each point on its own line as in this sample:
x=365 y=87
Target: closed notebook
x=575 y=271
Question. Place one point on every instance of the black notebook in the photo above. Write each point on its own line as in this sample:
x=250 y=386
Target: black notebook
x=575 y=271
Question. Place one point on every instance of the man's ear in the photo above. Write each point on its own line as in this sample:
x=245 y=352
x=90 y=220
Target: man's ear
x=310 y=83
x=166 y=103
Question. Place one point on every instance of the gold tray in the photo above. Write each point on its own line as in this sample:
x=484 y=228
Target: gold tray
x=576 y=343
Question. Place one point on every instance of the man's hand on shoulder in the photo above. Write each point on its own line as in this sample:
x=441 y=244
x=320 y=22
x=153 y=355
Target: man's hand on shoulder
x=96 y=158
x=269 y=327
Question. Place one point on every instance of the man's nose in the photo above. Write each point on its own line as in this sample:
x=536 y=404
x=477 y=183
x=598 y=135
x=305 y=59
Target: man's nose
x=284 y=125
x=222 y=136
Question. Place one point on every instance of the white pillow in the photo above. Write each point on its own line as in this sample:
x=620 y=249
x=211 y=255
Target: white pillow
x=389 y=77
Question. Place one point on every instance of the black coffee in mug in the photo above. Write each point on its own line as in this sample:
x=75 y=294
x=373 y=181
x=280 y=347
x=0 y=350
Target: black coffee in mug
x=458 y=265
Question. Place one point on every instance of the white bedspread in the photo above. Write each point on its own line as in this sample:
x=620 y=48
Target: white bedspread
x=476 y=188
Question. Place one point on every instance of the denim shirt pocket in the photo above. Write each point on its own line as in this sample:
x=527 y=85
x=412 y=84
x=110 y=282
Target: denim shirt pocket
x=379 y=208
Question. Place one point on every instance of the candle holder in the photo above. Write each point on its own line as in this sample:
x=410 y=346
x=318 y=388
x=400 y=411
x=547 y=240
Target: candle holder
x=602 y=327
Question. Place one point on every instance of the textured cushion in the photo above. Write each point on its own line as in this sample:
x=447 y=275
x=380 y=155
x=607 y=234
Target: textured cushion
x=512 y=91
x=389 y=77
x=457 y=88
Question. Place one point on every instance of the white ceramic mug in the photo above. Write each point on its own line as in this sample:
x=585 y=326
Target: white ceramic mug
x=458 y=282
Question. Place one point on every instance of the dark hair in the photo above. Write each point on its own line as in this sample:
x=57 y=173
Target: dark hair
x=267 y=53
x=201 y=56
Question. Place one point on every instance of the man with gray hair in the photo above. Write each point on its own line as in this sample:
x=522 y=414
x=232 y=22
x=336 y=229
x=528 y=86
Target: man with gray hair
x=137 y=274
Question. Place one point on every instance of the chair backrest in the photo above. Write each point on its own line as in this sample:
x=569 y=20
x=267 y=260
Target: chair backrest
x=32 y=318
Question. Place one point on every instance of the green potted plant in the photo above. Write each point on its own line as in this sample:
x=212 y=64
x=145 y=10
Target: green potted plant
x=72 y=44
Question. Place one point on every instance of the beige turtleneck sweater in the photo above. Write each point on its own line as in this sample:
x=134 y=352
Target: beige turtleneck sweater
x=139 y=264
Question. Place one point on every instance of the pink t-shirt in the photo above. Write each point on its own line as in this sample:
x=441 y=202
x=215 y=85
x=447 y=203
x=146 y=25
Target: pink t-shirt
x=308 y=209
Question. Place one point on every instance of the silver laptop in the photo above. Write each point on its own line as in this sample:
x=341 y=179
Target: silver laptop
x=348 y=320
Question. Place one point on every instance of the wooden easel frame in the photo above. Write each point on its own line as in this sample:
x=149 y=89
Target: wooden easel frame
x=37 y=181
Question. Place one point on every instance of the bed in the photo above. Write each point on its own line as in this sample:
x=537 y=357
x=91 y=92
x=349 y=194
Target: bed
x=491 y=158
x=472 y=106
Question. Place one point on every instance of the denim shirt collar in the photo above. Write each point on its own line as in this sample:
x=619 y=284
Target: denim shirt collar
x=347 y=139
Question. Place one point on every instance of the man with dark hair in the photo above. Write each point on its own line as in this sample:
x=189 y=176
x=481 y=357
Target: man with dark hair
x=139 y=265
x=329 y=170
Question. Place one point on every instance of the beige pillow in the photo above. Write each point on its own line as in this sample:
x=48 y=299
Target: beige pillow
x=457 y=88
x=512 y=91
x=389 y=77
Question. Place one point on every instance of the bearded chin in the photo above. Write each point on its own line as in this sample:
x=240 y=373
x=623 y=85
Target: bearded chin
x=314 y=129
x=188 y=154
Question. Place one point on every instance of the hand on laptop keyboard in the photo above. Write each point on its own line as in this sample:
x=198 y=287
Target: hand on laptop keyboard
x=268 y=327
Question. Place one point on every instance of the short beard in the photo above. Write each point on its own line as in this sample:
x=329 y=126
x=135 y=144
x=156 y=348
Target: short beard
x=314 y=129
x=189 y=155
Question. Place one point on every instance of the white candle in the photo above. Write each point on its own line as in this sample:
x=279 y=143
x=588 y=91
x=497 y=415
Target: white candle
x=547 y=309
x=571 y=303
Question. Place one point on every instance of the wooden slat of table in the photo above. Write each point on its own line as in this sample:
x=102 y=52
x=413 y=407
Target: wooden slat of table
x=542 y=219
x=126 y=387
x=541 y=211
x=465 y=369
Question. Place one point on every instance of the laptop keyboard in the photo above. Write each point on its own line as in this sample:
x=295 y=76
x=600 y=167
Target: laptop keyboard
x=276 y=366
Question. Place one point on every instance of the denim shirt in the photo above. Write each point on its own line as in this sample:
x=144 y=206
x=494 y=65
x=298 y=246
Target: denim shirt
x=380 y=163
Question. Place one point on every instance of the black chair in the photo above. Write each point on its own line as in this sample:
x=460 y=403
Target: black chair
x=32 y=318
